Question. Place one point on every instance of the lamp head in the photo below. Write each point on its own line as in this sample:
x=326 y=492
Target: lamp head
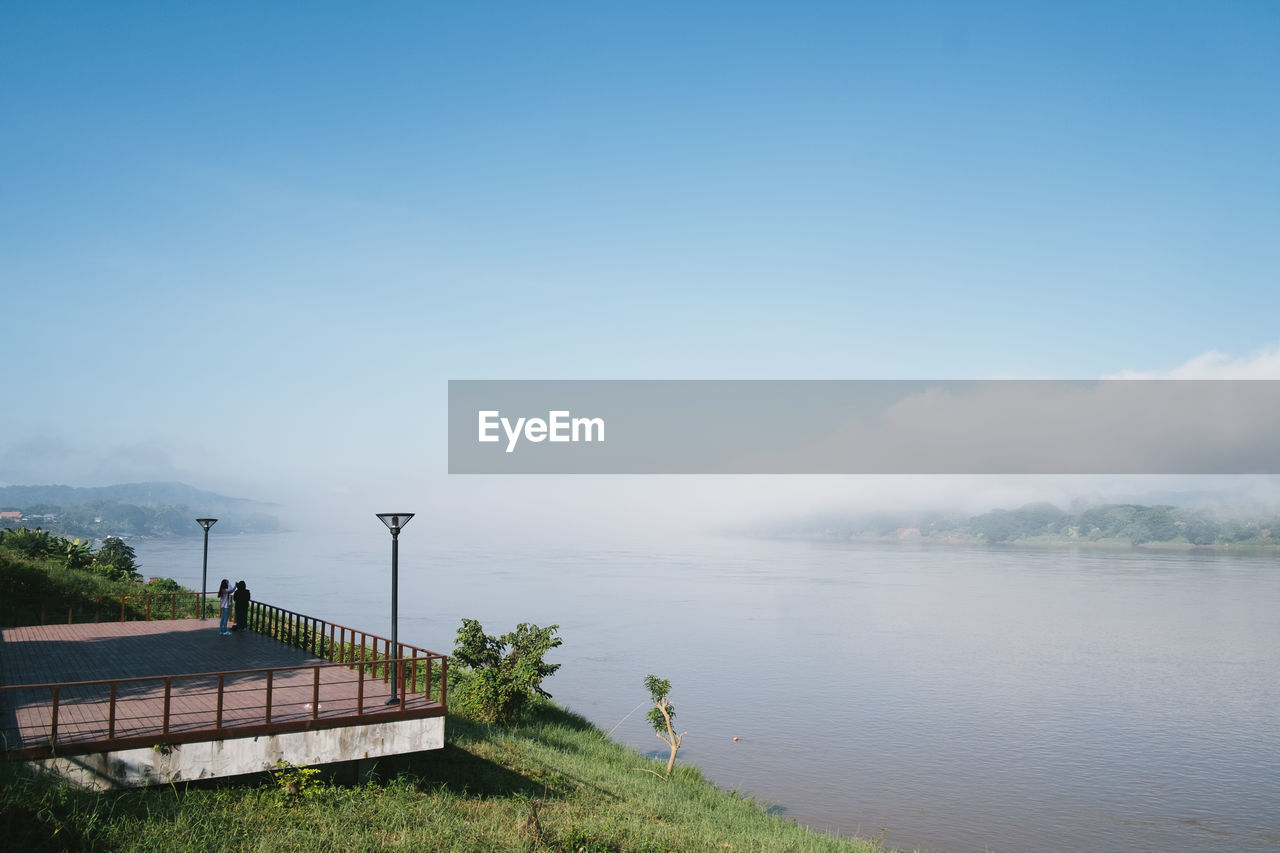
x=395 y=520
x=206 y=523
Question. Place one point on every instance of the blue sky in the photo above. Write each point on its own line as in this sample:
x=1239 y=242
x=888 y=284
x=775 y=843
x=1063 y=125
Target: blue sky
x=246 y=245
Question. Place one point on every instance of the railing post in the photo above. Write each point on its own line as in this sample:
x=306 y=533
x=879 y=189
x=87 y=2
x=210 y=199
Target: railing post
x=444 y=680
x=148 y=607
x=360 y=686
x=122 y=600
x=400 y=676
x=168 y=691
x=217 y=723
x=270 y=673
x=53 y=719
x=111 y=713
x=426 y=686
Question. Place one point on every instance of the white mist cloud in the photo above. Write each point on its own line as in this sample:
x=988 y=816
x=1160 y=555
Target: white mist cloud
x=1263 y=364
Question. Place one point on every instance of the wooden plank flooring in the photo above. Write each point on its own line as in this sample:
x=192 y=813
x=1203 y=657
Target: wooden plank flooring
x=181 y=648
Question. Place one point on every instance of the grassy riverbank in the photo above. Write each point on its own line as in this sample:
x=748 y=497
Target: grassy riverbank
x=554 y=783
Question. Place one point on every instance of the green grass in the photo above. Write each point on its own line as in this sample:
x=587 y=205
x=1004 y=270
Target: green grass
x=555 y=783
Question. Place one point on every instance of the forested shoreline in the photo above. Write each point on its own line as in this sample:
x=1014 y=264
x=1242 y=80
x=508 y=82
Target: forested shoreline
x=1044 y=523
x=133 y=509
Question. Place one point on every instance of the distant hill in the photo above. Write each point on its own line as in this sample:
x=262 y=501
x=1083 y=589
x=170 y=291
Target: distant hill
x=134 y=509
x=139 y=494
x=1044 y=523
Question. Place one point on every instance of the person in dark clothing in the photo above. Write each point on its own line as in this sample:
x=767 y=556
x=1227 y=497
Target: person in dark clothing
x=241 y=599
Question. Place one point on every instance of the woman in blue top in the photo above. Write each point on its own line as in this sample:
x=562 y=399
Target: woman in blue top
x=224 y=600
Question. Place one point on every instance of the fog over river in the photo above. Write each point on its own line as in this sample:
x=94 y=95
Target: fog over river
x=960 y=698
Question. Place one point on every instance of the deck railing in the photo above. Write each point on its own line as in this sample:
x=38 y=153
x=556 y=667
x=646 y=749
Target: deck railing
x=122 y=713
x=340 y=644
x=135 y=607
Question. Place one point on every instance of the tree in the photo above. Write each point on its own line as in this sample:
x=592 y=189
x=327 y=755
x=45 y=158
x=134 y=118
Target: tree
x=1201 y=530
x=507 y=671
x=661 y=715
x=77 y=555
x=116 y=560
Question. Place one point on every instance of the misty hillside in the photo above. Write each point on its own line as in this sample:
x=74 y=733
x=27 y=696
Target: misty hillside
x=1135 y=524
x=139 y=494
x=129 y=509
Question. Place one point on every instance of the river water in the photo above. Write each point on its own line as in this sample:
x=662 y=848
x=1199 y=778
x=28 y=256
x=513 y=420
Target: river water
x=957 y=699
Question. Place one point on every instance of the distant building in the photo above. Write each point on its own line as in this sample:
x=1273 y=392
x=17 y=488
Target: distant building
x=15 y=514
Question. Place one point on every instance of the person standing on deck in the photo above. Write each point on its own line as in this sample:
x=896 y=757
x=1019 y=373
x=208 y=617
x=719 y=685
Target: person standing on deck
x=224 y=603
x=241 y=598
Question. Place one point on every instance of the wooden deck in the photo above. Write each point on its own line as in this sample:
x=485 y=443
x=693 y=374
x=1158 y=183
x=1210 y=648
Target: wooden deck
x=201 y=666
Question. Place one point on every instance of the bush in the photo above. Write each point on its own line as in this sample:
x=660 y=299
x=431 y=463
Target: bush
x=505 y=672
x=163 y=585
x=295 y=784
x=34 y=544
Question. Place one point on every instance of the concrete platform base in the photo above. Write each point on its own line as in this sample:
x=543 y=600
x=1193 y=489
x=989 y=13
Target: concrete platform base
x=160 y=765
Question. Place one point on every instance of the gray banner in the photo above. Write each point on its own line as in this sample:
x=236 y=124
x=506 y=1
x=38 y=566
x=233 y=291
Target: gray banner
x=864 y=427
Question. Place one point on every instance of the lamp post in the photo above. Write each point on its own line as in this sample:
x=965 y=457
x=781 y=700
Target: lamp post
x=206 y=523
x=394 y=521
